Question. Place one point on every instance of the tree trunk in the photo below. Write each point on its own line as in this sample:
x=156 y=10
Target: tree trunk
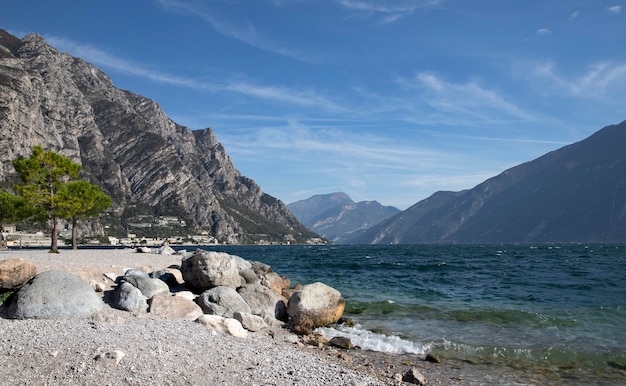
x=54 y=236
x=74 y=221
x=3 y=244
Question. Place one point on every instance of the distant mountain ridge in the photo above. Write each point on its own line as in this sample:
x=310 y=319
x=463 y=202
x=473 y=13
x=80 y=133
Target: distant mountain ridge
x=127 y=146
x=337 y=217
x=573 y=194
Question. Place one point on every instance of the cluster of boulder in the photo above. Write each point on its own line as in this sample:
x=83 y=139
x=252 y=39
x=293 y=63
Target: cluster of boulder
x=224 y=292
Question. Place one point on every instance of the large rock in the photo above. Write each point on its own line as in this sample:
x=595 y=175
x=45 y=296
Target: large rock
x=172 y=276
x=148 y=286
x=222 y=325
x=129 y=298
x=174 y=308
x=15 y=272
x=222 y=301
x=315 y=305
x=264 y=302
x=54 y=295
x=275 y=282
x=207 y=269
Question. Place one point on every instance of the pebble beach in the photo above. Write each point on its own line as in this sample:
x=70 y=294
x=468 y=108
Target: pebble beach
x=116 y=347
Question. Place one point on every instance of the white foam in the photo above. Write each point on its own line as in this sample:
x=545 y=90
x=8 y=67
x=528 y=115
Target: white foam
x=369 y=340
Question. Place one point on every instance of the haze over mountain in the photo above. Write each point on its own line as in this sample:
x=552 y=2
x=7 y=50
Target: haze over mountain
x=574 y=194
x=125 y=143
x=336 y=217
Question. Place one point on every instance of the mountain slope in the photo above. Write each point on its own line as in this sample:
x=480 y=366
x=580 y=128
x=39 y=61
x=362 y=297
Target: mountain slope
x=128 y=146
x=573 y=194
x=336 y=217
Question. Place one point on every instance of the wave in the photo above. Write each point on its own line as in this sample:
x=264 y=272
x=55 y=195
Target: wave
x=370 y=340
x=525 y=357
x=521 y=357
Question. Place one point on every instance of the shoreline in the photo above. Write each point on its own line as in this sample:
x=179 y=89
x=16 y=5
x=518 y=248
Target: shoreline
x=76 y=340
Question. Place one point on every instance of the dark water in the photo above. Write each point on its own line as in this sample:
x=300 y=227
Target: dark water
x=531 y=306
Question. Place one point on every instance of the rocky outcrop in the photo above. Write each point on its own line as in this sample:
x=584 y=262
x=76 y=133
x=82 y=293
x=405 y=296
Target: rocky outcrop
x=251 y=307
x=128 y=146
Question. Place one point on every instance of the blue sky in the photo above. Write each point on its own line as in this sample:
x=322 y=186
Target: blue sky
x=384 y=100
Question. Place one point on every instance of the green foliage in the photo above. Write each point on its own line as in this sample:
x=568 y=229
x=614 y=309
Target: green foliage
x=42 y=176
x=12 y=207
x=4 y=295
x=79 y=200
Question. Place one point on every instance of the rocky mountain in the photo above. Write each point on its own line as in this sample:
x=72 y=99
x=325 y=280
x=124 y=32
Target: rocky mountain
x=336 y=217
x=573 y=194
x=125 y=143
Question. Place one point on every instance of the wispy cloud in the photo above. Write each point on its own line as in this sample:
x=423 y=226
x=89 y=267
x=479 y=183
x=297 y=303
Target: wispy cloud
x=245 y=32
x=388 y=11
x=327 y=142
x=543 y=31
x=600 y=80
x=271 y=93
x=614 y=9
x=574 y=15
x=469 y=103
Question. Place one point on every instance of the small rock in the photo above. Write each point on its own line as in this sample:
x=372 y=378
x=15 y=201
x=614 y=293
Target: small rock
x=314 y=339
x=348 y=322
x=345 y=357
x=342 y=342
x=97 y=286
x=112 y=358
x=227 y=326
x=415 y=377
x=166 y=250
x=433 y=358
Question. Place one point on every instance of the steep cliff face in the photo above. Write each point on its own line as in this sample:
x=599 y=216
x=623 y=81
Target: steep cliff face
x=128 y=146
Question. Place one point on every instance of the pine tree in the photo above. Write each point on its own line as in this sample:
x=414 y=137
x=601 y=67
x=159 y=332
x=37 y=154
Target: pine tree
x=43 y=176
x=79 y=200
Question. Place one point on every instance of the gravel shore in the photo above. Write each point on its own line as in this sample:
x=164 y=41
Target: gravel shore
x=162 y=352
x=158 y=352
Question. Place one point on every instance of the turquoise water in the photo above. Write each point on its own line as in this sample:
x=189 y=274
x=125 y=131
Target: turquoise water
x=517 y=305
